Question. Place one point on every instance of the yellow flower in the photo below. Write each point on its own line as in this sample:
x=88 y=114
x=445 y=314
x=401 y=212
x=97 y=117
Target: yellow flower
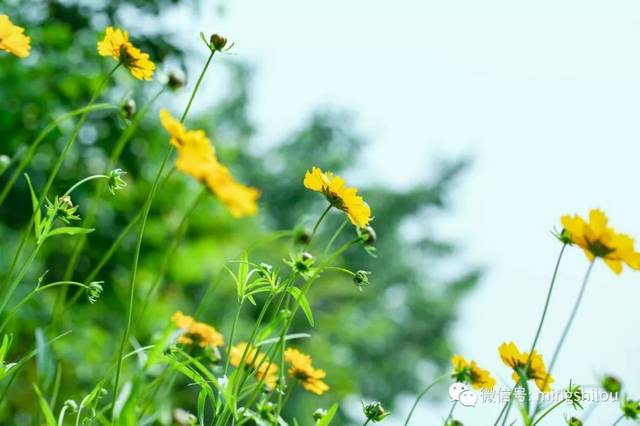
x=597 y=239
x=301 y=369
x=255 y=360
x=197 y=158
x=12 y=38
x=469 y=372
x=117 y=45
x=341 y=197
x=200 y=333
x=515 y=359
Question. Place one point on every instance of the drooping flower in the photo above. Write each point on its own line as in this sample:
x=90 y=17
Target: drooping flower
x=302 y=370
x=12 y=38
x=117 y=45
x=597 y=239
x=197 y=158
x=197 y=333
x=256 y=361
x=343 y=198
x=512 y=357
x=469 y=372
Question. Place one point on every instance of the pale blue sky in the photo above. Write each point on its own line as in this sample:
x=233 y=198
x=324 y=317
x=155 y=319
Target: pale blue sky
x=545 y=97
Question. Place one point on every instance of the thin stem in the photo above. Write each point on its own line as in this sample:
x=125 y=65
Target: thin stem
x=567 y=327
x=136 y=256
x=420 y=395
x=182 y=227
x=231 y=337
x=315 y=227
x=553 y=407
x=367 y=422
x=37 y=290
x=507 y=407
x=334 y=236
x=618 y=421
x=34 y=145
x=453 y=407
x=82 y=181
x=49 y=183
x=92 y=211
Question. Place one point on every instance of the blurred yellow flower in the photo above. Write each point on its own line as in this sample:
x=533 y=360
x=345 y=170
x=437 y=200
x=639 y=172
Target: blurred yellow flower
x=469 y=372
x=117 y=45
x=265 y=368
x=341 y=197
x=512 y=357
x=302 y=369
x=12 y=38
x=597 y=239
x=197 y=158
x=196 y=332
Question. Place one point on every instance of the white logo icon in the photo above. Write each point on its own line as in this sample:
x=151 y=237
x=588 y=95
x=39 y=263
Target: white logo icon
x=462 y=393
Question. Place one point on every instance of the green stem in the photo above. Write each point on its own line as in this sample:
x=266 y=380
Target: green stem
x=367 y=422
x=334 y=236
x=319 y=221
x=553 y=407
x=92 y=211
x=507 y=406
x=168 y=256
x=52 y=176
x=453 y=407
x=29 y=296
x=83 y=181
x=618 y=421
x=136 y=256
x=34 y=145
x=420 y=395
x=567 y=327
x=231 y=338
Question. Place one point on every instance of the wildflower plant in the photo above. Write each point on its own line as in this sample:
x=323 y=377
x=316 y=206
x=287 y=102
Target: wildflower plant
x=239 y=374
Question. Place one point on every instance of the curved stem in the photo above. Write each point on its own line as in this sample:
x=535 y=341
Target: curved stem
x=553 y=407
x=34 y=145
x=83 y=181
x=136 y=256
x=420 y=395
x=92 y=211
x=29 y=296
x=49 y=183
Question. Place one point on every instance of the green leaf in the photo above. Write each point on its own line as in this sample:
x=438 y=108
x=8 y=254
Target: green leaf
x=44 y=406
x=304 y=304
x=37 y=215
x=70 y=230
x=331 y=412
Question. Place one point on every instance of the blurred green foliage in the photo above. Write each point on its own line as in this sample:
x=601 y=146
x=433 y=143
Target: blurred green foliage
x=370 y=342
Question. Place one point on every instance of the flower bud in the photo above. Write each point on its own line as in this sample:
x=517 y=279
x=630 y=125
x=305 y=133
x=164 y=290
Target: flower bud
x=129 y=108
x=361 y=278
x=302 y=236
x=306 y=256
x=374 y=411
x=630 y=408
x=611 y=384
x=574 y=421
x=218 y=42
x=452 y=422
x=4 y=163
x=319 y=414
x=176 y=80
x=94 y=291
x=71 y=405
x=115 y=182
x=368 y=235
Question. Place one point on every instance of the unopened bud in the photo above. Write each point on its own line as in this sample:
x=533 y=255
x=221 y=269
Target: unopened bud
x=369 y=235
x=129 y=108
x=319 y=414
x=218 y=42
x=176 y=80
